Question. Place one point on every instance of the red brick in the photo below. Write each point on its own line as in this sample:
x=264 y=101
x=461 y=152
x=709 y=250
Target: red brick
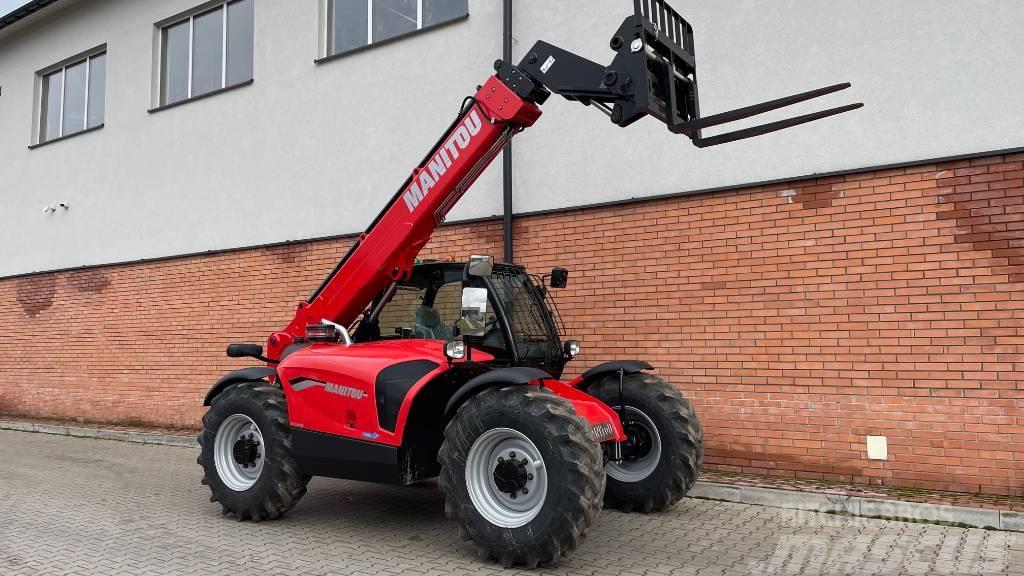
x=876 y=303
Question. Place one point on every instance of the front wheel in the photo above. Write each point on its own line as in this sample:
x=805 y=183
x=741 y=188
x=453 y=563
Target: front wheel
x=663 y=454
x=246 y=454
x=521 y=474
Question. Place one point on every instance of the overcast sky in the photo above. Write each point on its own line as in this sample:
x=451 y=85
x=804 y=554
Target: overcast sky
x=7 y=6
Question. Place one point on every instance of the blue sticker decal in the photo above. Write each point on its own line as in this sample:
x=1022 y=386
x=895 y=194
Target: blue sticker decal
x=370 y=435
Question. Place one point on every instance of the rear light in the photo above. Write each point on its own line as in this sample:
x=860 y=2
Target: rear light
x=602 y=432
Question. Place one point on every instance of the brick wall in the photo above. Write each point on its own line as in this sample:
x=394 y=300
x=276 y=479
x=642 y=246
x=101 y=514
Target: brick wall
x=800 y=317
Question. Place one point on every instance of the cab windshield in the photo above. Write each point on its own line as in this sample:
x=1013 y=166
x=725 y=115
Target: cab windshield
x=533 y=333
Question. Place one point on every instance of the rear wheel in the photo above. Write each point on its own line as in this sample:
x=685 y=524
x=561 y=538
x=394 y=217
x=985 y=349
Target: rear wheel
x=246 y=454
x=521 y=474
x=664 y=451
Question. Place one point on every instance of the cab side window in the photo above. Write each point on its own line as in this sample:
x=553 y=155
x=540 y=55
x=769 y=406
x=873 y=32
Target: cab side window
x=400 y=312
x=427 y=313
x=448 y=303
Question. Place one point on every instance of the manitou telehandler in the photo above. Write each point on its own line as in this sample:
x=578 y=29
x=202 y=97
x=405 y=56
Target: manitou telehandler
x=397 y=371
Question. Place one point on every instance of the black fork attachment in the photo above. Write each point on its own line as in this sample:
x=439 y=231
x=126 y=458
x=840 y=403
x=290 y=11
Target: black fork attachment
x=654 y=73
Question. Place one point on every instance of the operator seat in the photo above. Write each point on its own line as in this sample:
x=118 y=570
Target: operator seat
x=429 y=326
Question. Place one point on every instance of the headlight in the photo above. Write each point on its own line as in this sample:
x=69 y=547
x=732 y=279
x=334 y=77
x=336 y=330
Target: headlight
x=572 y=348
x=455 y=350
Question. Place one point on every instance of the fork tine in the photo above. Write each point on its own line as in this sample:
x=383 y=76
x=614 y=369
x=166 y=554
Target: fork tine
x=772 y=126
x=748 y=111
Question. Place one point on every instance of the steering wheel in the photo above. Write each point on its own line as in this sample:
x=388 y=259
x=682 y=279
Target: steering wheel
x=487 y=327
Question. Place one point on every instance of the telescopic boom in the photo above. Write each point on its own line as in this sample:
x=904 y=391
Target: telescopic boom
x=654 y=73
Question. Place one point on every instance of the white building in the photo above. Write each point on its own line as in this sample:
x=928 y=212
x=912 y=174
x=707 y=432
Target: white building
x=305 y=133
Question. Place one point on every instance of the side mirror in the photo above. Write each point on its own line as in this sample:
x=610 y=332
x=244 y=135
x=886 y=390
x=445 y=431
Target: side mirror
x=559 y=277
x=480 y=266
x=473 y=320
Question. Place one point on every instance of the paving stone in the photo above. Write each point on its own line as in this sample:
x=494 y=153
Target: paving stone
x=716 y=492
x=85 y=506
x=800 y=500
x=977 y=517
x=1011 y=520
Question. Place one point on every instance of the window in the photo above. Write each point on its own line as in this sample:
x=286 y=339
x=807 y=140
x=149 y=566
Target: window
x=400 y=312
x=73 y=97
x=448 y=303
x=534 y=337
x=207 y=51
x=422 y=311
x=354 y=24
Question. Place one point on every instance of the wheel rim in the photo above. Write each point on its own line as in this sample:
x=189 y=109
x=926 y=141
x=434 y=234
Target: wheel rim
x=641 y=467
x=238 y=452
x=506 y=478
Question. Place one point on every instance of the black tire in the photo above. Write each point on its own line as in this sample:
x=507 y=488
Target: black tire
x=279 y=485
x=572 y=463
x=681 y=437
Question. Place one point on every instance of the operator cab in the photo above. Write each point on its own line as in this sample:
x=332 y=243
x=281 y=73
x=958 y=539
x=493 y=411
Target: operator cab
x=518 y=324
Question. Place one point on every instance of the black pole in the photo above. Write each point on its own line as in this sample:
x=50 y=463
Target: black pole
x=507 y=154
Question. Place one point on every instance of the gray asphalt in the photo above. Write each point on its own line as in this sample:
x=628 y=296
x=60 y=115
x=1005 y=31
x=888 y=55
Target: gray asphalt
x=83 y=507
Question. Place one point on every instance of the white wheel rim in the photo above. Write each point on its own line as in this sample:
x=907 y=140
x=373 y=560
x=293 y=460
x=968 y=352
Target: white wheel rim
x=500 y=449
x=235 y=474
x=641 y=468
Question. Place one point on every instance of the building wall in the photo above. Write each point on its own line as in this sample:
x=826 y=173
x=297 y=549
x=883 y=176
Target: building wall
x=800 y=317
x=306 y=151
x=312 y=150
x=933 y=76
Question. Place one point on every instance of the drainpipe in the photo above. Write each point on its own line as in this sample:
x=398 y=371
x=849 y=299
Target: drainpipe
x=507 y=153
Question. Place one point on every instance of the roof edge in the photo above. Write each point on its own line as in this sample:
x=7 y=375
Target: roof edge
x=26 y=10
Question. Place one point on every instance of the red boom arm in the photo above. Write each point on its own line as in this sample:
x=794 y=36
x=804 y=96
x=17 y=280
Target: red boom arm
x=653 y=74
x=387 y=250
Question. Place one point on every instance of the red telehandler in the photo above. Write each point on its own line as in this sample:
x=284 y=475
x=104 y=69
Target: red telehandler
x=396 y=371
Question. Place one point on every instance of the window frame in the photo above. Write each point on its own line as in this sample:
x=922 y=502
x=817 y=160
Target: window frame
x=190 y=16
x=327 y=30
x=41 y=100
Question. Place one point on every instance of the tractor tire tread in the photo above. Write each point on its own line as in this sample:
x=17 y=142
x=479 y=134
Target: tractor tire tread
x=682 y=426
x=280 y=486
x=580 y=455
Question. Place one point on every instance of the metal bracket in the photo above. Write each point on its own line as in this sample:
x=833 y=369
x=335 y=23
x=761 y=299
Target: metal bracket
x=654 y=73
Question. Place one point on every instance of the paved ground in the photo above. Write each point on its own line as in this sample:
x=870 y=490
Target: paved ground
x=78 y=506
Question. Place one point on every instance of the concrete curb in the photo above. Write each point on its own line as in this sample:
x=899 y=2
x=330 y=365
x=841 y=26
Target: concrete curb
x=119 y=435
x=771 y=497
x=861 y=506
